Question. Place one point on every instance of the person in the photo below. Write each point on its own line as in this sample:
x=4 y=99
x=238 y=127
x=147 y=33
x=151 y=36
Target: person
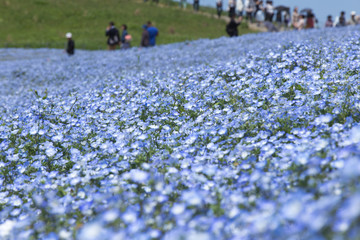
x=231 y=8
x=269 y=11
x=113 y=36
x=352 y=20
x=279 y=19
x=287 y=19
x=144 y=37
x=219 y=5
x=153 y=33
x=259 y=12
x=329 y=22
x=342 y=20
x=231 y=27
x=239 y=7
x=258 y=8
x=295 y=18
x=196 y=5
x=316 y=23
x=183 y=3
x=70 y=47
x=125 y=37
x=249 y=9
x=310 y=21
x=301 y=24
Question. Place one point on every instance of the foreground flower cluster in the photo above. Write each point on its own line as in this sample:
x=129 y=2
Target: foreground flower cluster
x=255 y=137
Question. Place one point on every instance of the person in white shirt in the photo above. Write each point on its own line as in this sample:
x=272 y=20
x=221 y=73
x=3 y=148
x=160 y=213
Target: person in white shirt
x=269 y=11
x=301 y=24
x=352 y=20
x=295 y=17
x=239 y=7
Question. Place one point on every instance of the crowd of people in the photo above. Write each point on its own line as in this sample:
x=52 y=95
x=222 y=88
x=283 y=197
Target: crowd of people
x=258 y=11
x=148 y=36
x=196 y=4
x=183 y=4
x=341 y=20
x=264 y=12
x=114 y=41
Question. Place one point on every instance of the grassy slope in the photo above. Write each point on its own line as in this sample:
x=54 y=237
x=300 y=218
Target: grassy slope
x=43 y=23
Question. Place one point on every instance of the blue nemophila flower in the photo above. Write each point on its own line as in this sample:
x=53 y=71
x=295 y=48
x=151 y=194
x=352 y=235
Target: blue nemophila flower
x=137 y=176
x=50 y=150
x=237 y=143
x=92 y=231
x=192 y=198
x=6 y=228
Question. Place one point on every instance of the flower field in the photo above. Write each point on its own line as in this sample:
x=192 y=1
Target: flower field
x=255 y=137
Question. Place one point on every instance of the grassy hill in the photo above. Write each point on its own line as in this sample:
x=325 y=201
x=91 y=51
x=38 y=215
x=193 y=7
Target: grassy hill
x=43 y=23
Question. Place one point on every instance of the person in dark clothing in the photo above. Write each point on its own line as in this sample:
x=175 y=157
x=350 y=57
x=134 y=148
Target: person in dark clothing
x=153 y=33
x=232 y=7
x=70 y=48
x=145 y=38
x=231 y=27
x=124 y=33
x=113 y=36
x=125 y=37
x=310 y=21
x=219 y=7
x=342 y=20
x=196 y=5
x=279 y=18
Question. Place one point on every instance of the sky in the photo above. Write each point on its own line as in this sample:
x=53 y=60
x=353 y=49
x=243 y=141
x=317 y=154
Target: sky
x=321 y=8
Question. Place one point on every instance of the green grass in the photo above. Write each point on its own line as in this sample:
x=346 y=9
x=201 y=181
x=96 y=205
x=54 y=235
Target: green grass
x=43 y=23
